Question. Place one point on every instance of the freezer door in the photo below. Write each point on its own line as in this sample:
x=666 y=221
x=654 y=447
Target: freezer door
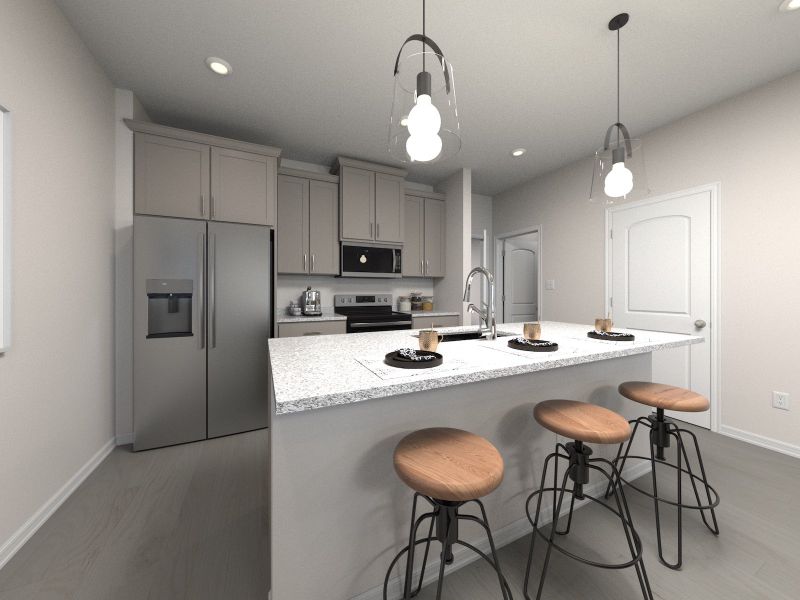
x=239 y=276
x=169 y=355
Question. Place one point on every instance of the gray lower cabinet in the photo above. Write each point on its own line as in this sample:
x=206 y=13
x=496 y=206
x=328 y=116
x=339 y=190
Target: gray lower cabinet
x=309 y=328
x=423 y=250
x=171 y=177
x=307 y=231
x=242 y=187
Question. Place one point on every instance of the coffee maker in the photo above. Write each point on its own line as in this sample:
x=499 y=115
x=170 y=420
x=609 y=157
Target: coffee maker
x=312 y=302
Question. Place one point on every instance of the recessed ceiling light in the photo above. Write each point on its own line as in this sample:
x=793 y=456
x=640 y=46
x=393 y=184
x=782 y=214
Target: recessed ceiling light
x=788 y=5
x=518 y=152
x=218 y=65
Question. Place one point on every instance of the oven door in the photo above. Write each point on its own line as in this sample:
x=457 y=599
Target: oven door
x=370 y=323
x=359 y=260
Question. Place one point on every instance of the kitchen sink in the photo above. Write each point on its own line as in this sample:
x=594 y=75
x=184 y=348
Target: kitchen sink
x=470 y=335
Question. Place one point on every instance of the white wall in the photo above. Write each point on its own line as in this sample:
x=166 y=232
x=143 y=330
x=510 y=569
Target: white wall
x=449 y=290
x=56 y=381
x=750 y=145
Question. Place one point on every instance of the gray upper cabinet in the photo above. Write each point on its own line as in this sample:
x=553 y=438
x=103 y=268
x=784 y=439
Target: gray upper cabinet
x=191 y=175
x=308 y=226
x=357 y=204
x=389 y=208
x=413 y=248
x=171 y=177
x=323 y=246
x=434 y=238
x=423 y=250
x=242 y=187
x=292 y=229
x=371 y=201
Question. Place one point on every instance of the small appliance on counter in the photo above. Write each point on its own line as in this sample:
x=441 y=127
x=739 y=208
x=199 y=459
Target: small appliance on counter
x=294 y=310
x=312 y=302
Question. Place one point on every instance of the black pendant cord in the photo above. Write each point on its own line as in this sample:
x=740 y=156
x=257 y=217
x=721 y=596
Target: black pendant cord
x=423 y=36
x=618 y=121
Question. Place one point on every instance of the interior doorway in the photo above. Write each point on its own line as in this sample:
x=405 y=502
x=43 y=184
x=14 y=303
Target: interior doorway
x=662 y=259
x=519 y=258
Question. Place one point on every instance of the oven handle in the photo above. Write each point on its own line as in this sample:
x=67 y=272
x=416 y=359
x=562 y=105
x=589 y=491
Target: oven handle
x=378 y=324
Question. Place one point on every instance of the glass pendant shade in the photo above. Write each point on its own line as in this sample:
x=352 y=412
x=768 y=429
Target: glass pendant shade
x=615 y=181
x=424 y=124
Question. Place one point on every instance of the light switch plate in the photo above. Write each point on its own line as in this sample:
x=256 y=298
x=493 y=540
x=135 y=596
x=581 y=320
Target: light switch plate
x=550 y=284
x=780 y=400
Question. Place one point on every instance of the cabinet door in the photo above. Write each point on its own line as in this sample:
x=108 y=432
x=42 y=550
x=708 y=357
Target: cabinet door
x=323 y=219
x=292 y=229
x=171 y=177
x=414 y=237
x=434 y=238
x=389 y=208
x=357 y=204
x=311 y=328
x=239 y=186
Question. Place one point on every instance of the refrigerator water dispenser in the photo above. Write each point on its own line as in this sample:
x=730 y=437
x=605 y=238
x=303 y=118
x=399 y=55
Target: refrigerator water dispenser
x=169 y=308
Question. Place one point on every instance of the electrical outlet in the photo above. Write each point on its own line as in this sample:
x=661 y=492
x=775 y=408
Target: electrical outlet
x=780 y=400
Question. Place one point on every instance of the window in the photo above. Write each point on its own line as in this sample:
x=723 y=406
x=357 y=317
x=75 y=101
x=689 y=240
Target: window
x=5 y=230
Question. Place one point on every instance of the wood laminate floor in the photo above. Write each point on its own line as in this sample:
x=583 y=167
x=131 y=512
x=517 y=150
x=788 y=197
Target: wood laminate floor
x=189 y=522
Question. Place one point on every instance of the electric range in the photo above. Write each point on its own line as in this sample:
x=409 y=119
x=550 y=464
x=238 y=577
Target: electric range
x=370 y=312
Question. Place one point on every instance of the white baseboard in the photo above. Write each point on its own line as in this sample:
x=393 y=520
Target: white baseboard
x=124 y=439
x=502 y=537
x=12 y=545
x=760 y=440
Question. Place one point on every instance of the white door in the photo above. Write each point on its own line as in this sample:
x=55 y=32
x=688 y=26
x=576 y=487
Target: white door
x=521 y=278
x=660 y=277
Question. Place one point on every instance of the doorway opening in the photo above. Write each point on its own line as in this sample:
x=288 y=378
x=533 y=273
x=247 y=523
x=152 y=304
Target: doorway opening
x=519 y=276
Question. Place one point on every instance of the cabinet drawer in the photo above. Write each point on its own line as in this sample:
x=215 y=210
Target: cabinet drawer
x=423 y=322
x=311 y=328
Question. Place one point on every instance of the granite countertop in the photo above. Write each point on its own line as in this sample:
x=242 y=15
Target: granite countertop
x=434 y=313
x=327 y=315
x=348 y=368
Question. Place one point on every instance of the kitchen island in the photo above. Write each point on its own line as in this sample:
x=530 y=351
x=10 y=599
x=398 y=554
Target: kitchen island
x=339 y=513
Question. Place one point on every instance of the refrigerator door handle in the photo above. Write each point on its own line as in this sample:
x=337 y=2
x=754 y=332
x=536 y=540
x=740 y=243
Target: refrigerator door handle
x=212 y=289
x=201 y=290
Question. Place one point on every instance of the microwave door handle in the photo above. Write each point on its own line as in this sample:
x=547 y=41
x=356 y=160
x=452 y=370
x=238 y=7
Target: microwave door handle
x=394 y=261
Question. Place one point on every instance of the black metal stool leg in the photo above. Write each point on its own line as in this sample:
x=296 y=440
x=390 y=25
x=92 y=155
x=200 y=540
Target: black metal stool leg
x=443 y=562
x=553 y=526
x=634 y=542
x=636 y=423
x=415 y=593
x=535 y=521
x=495 y=560
x=704 y=479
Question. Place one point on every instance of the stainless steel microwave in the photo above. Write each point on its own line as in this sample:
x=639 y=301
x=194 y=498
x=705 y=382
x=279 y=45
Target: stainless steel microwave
x=370 y=260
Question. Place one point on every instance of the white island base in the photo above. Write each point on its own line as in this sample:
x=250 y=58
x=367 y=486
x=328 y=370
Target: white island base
x=339 y=514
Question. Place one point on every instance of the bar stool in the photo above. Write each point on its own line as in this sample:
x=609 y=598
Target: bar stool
x=448 y=468
x=582 y=423
x=662 y=429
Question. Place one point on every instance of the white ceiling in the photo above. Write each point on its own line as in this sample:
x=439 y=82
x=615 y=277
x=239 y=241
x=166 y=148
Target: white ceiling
x=315 y=78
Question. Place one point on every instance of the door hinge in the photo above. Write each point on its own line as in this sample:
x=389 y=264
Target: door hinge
x=611 y=302
x=611 y=233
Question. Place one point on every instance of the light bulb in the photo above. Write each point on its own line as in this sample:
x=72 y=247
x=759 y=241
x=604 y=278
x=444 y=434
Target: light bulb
x=619 y=181
x=423 y=148
x=424 y=118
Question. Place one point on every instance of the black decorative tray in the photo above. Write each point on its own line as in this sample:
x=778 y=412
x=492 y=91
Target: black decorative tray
x=611 y=336
x=532 y=345
x=395 y=359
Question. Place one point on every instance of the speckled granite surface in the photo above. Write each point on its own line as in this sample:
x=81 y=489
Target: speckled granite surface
x=318 y=372
x=327 y=315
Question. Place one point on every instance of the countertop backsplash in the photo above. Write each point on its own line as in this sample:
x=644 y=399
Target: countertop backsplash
x=290 y=287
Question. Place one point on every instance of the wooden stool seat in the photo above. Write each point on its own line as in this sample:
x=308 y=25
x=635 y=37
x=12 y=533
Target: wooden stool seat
x=582 y=421
x=448 y=464
x=662 y=396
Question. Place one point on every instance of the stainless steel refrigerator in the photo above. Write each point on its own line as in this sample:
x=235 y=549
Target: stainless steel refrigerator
x=201 y=321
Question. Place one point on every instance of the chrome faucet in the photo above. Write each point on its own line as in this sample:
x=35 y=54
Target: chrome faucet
x=486 y=313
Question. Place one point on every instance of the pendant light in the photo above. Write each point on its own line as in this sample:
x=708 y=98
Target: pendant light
x=619 y=173
x=424 y=125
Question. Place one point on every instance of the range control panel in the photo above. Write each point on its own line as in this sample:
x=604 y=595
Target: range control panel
x=359 y=300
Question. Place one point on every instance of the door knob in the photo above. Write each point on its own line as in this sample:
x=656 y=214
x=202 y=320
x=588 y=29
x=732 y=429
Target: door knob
x=700 y=323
